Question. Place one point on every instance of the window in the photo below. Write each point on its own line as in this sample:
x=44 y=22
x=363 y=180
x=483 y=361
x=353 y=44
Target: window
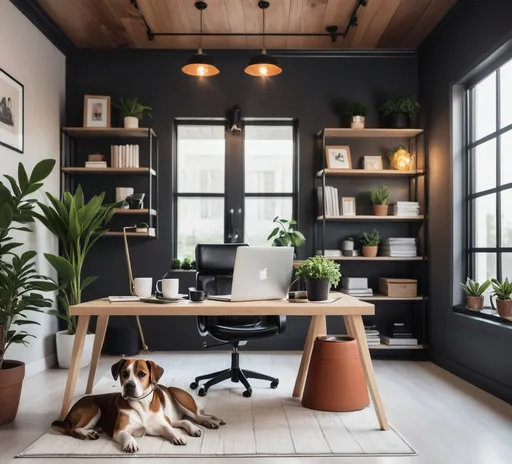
x=489 y=175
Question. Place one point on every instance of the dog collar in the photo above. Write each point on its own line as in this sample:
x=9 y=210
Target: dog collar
x=144 y=396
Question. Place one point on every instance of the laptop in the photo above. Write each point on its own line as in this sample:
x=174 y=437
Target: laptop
x=261 y=273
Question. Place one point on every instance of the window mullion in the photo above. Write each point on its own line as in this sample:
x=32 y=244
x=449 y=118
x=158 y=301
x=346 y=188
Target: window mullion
x=498 y=176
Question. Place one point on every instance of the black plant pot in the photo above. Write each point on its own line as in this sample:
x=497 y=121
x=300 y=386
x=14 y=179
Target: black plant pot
x=318 y=289
x=399 y=121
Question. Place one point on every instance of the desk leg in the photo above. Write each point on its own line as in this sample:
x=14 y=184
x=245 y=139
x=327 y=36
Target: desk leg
x=101 y=328
x=322 y=326
x=357 y=327
x=314 y=327
x=78 y=347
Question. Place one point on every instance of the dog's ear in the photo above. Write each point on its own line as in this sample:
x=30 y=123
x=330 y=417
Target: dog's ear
x=117 y=367
x=155 y=371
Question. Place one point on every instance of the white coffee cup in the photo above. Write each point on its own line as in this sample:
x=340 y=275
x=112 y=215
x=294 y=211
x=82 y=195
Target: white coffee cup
x=169 y=287
x=143 y=286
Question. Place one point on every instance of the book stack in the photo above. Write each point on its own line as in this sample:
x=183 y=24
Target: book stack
x=95 y=164
x=329 y=253
x=406 y=208
x=372 y=335
x=332 y=204
x=124 y=156
x=401 y=335
x=356 y=286
x=398 y=247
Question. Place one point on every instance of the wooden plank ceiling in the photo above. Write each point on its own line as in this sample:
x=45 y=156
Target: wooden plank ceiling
x=383 y=24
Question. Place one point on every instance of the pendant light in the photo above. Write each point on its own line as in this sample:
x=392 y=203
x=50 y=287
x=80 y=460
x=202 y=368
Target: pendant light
x=200 y=64
x=263 y=64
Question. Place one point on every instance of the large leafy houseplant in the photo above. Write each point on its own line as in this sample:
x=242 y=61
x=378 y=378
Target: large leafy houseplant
x=285 y=234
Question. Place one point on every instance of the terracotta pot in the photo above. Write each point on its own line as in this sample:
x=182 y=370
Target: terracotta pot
x=370 y=251
x=380 y=210
x=335 y=380
x=475 y=303
x=504 y=308
x=11 y=381
x=318 y=289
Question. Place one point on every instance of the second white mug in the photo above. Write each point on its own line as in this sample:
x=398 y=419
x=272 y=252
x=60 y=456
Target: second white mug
x=169 y=287
x=143 y=286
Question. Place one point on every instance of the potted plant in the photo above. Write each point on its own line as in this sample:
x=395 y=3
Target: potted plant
x=20 y=284
x=398 y=112
x=285 y=234
x=186 y=265
x=357 y=111
x=176 y=264
x=371 y=242
x=379 y=197
x=77 y=225
x=503 y=294
x=320 y=274
x=474 y=293
x=132 y=112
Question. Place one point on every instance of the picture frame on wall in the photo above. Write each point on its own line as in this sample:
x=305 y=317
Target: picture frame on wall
x=96 y=111
x=12 y=117
x=338 y=157
x=348 y=206
x=373 y=163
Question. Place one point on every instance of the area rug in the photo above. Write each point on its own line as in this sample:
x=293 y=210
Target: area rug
x=270 y=423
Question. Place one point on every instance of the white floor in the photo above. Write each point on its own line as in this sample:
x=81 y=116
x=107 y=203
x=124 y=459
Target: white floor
x=446 y=420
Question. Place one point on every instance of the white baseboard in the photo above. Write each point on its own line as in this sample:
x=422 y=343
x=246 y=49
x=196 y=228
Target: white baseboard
x=40 y=365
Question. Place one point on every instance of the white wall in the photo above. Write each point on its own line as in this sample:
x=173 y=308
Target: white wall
x=31 y=59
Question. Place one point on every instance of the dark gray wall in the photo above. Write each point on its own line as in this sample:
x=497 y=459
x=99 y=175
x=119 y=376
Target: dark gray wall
x=470 y=33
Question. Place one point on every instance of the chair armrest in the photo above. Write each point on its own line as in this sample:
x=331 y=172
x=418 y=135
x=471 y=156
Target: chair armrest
x=282 y=323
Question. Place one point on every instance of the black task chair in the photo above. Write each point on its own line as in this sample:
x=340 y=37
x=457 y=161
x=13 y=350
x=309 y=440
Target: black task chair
x=215 y=264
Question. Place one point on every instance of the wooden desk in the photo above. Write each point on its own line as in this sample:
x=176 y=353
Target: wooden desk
x=350 y=308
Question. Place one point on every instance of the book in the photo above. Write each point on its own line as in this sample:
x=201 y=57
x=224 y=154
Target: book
x=357 y=293
x=392 y=341
x=96 y=164
x=350 y=283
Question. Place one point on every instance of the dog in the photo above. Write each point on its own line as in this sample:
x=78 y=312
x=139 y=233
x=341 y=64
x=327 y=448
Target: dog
x=143 y=408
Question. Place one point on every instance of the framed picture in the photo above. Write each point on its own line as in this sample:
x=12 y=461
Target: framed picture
x=96 y=111
x=373 y=163
x=348 y=206
x=338 y=157
x=11 y=112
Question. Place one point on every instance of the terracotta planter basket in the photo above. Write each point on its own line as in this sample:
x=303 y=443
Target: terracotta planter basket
x=504 y=308
x=370 y=251
x=11 y=381
x=475 y=303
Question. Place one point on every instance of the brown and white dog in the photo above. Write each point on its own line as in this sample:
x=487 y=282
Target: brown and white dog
x=143 y=408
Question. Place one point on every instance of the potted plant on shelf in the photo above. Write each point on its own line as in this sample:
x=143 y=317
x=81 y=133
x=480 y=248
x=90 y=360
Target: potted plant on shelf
x=20 y=283
x=132 y=112
x=285 y=234
x=474 y=293
x=371 y=242
x=357 y=111
x=320 y=274
x=379 y=197
x=186 y=265
x=503 y=294
x=176 y=264
x=399 y=112
x=77 y=225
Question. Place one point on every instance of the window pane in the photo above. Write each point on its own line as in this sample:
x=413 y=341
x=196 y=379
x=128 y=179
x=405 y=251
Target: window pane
x=485 y=268
x=485 y=107
x=485 y=221
x=506 y=94
x=268 y=159
x=506 y=218
x=485 y=166
x=200 y=220
x=259 y=213
x=506 y=266
x=201 y=153
x=506 y=157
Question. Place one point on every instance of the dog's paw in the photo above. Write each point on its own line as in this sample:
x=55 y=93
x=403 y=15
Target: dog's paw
x=94 y=435
x=211 y=422
x=196 y=432
x=131 y=446
x=178 y=439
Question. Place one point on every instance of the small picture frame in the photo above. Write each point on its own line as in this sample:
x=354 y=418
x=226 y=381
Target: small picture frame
x=338 y=157
x=11 y=112
x=373 y=163
x=348 y=206
x=96 y=111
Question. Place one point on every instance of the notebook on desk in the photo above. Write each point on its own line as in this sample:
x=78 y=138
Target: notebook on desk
x=122 y=299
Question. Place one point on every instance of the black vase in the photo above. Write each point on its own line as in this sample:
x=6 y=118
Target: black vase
x=318 y=289
x=399 y=120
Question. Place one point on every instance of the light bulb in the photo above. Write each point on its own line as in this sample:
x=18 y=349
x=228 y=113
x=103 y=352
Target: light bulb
x=201 y=70
x=263 y=70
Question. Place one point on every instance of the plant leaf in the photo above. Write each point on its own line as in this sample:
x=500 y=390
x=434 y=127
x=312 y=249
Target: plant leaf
x=64 y=269
x=42 y=170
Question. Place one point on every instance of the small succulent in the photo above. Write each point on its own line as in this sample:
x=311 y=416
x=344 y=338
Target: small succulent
x=473 y=288
x=379 y=195
x=371 y=238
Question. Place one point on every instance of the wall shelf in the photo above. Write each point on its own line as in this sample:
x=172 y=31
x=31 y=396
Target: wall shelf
x=397 y=347
x=346 y=132
x=130 y=171
x=361 y=217
x=150 y=233
x=107 y=132
x=368 y=173
x=151 y=212
x=377 y=297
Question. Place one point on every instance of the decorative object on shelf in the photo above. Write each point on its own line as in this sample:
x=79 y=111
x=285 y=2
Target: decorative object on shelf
x=135 y=201
x=373 y=163
x=348 y=206
x=502 y=292
x=176 y=264
x=96 y=161
x=379 y=197
x=20 y=284
x=398 y=288
x=320 y=274
x=132 y=112
x=142 y=228
x=12 y=101
x=338 y=157
x=96 y=111
x=474 y=293
x=356 y=286
x=96 y=157
x=122 y=193
x=398 y=112
x=347 y=246
x=370 y=243
x=285 y=233
x=406 y=208
x=400 y=159
x=357 y=111
x=124 y=156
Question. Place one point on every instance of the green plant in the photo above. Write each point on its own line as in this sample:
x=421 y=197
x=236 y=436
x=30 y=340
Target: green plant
x=285 y=234
x=357 y=109
x=176 y=263
x=371 y=238
x=77 y=225
x=409 y=106
x=502 y=290
x=193 y=264
x=186 y=265
x=379 y=195
x=318 y=268
x=473 y=288
x=19 y=281
x=132 y=108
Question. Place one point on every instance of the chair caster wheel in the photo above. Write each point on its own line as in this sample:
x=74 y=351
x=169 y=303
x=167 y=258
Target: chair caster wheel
x=194 y=385
x=202 y=391
x=236 y=380
x=247 y=393
x=274 y=384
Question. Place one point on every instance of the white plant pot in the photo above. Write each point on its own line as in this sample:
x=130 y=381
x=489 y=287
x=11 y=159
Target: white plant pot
x=65 y=349
x=131 y=122
x=357 y=122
